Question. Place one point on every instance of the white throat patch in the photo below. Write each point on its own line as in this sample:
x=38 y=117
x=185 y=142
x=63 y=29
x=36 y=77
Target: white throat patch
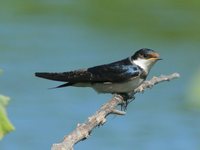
x=145 y=64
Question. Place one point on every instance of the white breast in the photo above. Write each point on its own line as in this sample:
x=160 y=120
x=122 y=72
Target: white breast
x=122 y=87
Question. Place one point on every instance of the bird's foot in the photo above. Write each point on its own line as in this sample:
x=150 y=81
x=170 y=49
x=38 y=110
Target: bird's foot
x=128 y=97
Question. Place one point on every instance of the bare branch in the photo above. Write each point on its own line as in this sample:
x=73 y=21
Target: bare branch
x=154 y=81
x=83 y=130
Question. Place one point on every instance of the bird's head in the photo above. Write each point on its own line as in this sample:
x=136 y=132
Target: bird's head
x=145 y=58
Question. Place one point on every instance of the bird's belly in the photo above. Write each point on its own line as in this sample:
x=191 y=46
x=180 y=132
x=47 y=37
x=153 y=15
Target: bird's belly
x=123 y=87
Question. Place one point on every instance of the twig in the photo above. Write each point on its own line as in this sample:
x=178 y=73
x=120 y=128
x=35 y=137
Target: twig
x=83 y=130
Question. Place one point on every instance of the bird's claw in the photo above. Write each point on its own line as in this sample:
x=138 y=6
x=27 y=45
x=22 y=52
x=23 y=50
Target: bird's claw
x=128 y=97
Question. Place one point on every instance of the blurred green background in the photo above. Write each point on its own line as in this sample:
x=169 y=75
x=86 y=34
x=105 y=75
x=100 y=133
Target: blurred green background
x=47 y=35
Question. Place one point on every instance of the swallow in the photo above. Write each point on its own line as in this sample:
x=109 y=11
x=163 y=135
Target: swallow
x=120 y=77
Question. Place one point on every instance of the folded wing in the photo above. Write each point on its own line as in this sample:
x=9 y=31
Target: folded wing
x=114 y=72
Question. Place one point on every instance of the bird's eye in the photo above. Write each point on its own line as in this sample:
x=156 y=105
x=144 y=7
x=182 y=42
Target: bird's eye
x=146 y=55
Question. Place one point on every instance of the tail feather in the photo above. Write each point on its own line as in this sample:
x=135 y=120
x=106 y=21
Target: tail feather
x=62 y=85
x=53 y=76
x=71 y=76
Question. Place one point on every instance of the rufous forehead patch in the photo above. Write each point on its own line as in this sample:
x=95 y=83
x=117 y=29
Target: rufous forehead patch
x=154 y=55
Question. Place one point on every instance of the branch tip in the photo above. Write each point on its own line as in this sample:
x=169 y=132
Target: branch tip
x=118 y=112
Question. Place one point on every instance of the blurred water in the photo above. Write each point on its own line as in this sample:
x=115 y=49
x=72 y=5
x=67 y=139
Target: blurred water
x=157 y=119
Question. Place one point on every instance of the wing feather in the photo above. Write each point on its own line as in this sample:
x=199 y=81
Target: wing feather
x=114 y=72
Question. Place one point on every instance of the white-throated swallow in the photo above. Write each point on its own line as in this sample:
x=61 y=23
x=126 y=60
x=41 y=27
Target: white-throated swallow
x=118 y=77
